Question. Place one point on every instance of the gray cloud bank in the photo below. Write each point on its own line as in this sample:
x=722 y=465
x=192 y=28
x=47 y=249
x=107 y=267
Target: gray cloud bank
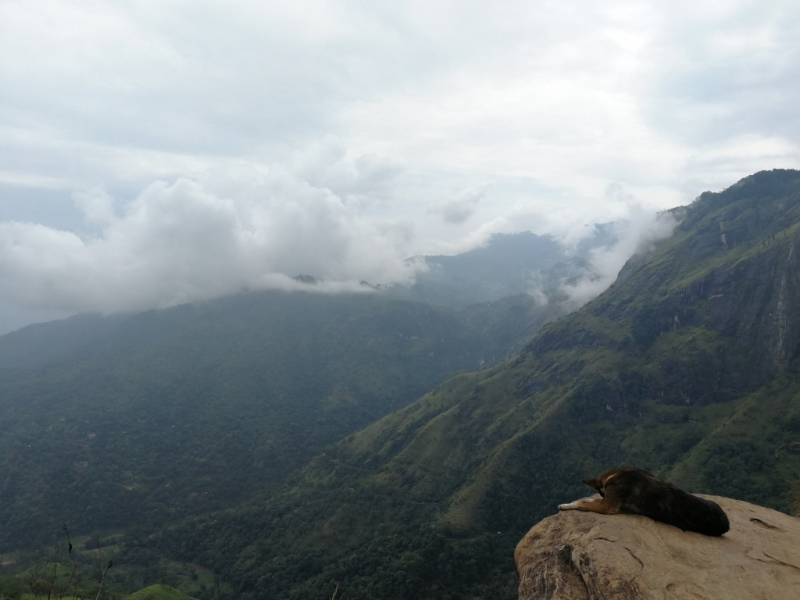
x=185 y=241
x=192 y=240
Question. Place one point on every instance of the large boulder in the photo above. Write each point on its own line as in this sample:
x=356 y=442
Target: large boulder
x=588 y=556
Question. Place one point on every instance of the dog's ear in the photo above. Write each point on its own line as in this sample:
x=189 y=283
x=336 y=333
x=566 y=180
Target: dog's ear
x=594 y=483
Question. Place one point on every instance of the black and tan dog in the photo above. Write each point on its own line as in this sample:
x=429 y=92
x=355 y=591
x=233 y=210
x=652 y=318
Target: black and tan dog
x=633 y=491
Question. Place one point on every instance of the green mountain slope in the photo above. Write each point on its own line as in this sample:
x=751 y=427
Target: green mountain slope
x=45 y=343
x=190 y=409
x=159 y=592
x=687 y=367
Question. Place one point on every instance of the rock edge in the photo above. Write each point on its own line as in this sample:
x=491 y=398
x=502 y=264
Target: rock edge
x=587 y=556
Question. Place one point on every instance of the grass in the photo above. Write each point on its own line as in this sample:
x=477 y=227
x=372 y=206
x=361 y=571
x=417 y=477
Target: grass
x=159 y=591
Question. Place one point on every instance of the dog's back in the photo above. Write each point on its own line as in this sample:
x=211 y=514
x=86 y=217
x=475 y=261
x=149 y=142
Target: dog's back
x=634 y=491
x=645 y=494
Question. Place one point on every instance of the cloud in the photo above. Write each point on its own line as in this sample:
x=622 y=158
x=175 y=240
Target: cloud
x=364 y=180
x=184 y=241
x=636 y=235
x=599 y=251
x=372 y=113
x=462 y=206
x=562 y=95
x=96 y=204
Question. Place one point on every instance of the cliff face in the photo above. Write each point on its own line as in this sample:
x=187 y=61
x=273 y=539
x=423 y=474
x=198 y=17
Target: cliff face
x=730 y=274
x=586 y=556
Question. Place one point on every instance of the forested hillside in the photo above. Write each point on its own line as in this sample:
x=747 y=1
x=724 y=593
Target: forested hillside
x=687 y=366
x=191 y=409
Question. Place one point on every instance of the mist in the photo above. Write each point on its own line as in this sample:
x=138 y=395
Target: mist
x=179 y=243
x=636 y=235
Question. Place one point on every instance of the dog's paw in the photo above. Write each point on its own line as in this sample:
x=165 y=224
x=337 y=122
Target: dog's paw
x=570 y=506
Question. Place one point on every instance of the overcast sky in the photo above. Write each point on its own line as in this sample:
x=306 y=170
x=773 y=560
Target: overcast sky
x=157 y=152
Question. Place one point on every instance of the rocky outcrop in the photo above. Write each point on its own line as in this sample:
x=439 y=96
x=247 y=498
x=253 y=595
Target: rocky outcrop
x=587 y=556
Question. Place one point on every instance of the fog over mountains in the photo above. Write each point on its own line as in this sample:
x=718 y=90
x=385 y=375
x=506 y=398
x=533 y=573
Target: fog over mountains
x=399 y=441
x=180 y=243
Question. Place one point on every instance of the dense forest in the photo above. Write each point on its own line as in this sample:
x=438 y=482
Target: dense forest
x=288 y=445
x=188 y=410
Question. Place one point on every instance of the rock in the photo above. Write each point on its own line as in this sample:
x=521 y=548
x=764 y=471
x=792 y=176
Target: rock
x=587 y=556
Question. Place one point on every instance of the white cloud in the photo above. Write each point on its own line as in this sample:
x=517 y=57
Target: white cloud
x=96 y=204
x=179 y=242
x=364 y=180
x=635 y=235
x=570 y=94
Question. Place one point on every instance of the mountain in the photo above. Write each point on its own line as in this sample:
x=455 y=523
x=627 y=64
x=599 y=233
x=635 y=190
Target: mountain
x=508 y=265
x=481 y=280
x=687 y=366
x=127 y=422
x=47 y=342
x=146 y=418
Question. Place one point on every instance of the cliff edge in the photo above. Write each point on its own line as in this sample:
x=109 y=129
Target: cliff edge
x=587 y=556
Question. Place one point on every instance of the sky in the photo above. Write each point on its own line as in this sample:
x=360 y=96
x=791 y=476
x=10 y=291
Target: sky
x=159 y=152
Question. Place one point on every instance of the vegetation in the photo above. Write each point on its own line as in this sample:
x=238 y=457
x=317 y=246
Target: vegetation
x=11 y=588
x=63 y=575
x=159 y=592
x=188 y=410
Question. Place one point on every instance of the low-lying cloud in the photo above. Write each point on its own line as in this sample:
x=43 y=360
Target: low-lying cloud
x=185 y=241
x=635 y=235
x=252 y=227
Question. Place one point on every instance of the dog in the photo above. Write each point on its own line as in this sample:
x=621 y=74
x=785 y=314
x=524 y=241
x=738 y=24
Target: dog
x=633 y=491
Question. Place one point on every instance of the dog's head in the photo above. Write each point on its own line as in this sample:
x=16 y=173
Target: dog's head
x=596 y=484
x=600 y=483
